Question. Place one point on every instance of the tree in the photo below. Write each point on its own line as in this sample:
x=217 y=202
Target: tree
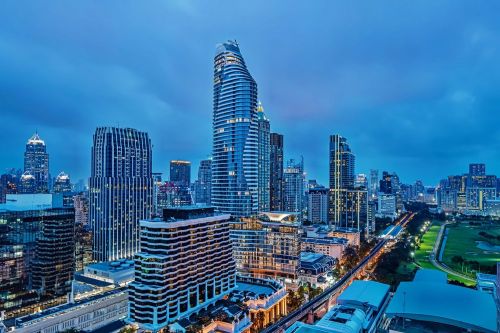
x=128 y=329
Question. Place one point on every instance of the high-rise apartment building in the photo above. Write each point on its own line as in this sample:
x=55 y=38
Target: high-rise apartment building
x=36 y=163
x=276 y=173
x=203 y=185
x=317 y=208
x=267 y=246
x=185 y=263
x=235 y=134
x=341 y=176
x=348 y=205
x=293 y=187
x=374 y=185
x=121 y=191
x=264 y=162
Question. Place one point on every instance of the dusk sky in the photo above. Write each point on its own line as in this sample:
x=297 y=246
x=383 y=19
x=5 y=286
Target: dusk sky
x=413 y=85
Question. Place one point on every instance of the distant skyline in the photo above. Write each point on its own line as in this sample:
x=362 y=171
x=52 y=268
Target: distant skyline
x=413 y=86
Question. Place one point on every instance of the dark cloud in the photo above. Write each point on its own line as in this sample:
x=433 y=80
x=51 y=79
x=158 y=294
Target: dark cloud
x=414 y=86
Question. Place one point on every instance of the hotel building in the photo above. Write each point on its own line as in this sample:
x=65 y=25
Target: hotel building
x=185 y=264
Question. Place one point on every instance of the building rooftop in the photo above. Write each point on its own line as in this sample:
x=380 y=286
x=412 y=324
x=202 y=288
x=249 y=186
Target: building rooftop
x=57 y=310
x=365 y=293
x=430 y=275
x=35 y=140
x=431 y=300
x=326 y=240
x=280 y=216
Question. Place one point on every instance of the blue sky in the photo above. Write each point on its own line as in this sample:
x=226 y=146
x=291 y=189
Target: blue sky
x=413 y=85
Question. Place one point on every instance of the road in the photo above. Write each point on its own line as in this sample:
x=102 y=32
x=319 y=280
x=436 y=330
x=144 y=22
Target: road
x=434 y=254
x=319 y=301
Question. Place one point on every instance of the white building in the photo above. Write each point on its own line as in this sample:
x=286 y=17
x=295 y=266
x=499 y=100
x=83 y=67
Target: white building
x=317 y=205
x=386 y=205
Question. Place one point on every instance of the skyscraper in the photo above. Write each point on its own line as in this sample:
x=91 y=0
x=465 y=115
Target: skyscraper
x=317 y=208
x=62 y=183
x=180 y=172
x=264 y=163
x=36 y=163
x=54 y=262
x=341 y=175
x=121 y=191
x=203 y=184
x=477 y=169
x=348 y=205
x=374 y=185
x=293 y=187
x=276 y=173
x=180 y=179
x=235 y=134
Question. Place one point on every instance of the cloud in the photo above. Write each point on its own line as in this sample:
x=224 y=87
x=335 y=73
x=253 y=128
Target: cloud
x=412 y=86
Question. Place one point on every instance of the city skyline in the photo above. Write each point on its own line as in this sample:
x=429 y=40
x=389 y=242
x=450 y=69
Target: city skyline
x=360 y=92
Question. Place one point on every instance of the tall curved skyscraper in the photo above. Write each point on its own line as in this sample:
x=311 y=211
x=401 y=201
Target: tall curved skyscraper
x=235 y=134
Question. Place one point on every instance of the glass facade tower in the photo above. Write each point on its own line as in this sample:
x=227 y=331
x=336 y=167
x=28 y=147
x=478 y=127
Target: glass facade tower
x=36 y=164
x=276 y=177
x=235 y=134
x=121 y=191
x=264 y=155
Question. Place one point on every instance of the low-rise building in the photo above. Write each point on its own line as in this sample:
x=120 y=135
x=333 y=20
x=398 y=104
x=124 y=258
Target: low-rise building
x=315 y=268
x=359 y=309
x=430 y=304
x=330 y=246
x=86 y=314
x=352 y=235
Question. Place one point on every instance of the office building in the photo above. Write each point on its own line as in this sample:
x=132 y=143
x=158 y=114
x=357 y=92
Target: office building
x=28 y=184
x=293 y=187
x=54 y=262
x=9 y=183
x=203 y=185
x=184 y=265
x=264 y=160
x=386 y=183
x=121 y=191
x=62 y=183
x=36 y=163
x=276 y=174
x=180 y=172
x=386 y=205
x=267 y=245
x=235 y=134
x=361 y=181
x=317 y=208
x=477 y=169
x=34 y=236
x=180 y=178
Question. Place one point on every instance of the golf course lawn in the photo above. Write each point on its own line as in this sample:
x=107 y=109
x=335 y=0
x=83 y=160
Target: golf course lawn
x=462 y=242
x=422 y=254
